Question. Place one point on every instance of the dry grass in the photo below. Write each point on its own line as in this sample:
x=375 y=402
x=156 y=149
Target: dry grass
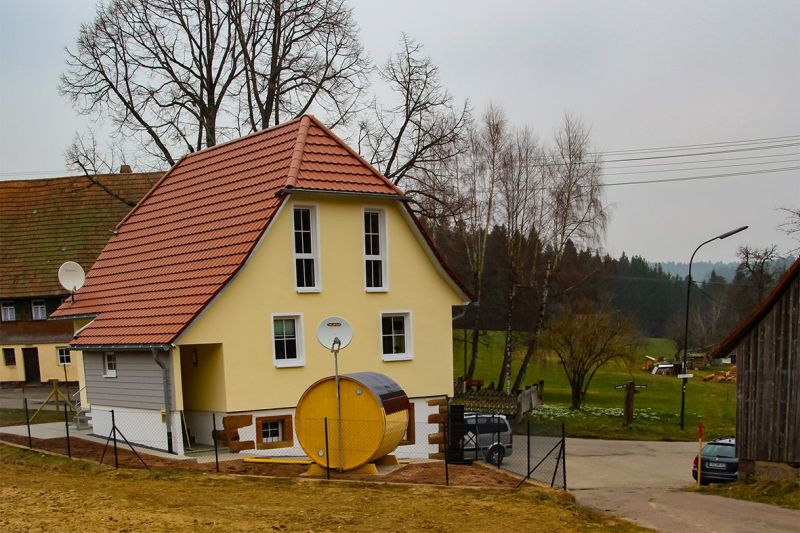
x=41 y=492
x=783 y=493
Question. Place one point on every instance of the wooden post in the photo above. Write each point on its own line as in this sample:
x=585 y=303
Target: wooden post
x=630 y=388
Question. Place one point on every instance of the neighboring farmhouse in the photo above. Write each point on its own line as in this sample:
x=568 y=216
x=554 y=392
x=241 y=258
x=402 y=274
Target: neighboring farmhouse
x=207 y=297
x=44 y=222
x=767 y=347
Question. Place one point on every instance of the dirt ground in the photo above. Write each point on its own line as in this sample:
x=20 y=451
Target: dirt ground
x=40 y=492
x=427 y=473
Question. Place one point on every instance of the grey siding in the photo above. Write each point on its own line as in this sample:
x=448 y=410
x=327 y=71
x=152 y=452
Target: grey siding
x=139 y=382
x=768 y=385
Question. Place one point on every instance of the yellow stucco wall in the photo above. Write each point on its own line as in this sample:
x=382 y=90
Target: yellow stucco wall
x=240 y=317
x=48 y=363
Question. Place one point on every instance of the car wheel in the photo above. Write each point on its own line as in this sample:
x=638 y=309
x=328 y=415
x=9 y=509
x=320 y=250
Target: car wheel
x=495 y=455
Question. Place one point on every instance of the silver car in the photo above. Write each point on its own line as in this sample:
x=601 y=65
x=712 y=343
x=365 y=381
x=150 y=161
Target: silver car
x=488 y=435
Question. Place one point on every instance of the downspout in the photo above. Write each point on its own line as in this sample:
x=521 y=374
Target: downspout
x=167 y=417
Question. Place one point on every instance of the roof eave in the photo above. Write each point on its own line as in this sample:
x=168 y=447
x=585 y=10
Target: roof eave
x=324 y=192
x=121 y=347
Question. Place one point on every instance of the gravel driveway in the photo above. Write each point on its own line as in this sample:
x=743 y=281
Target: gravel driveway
x=641 y=481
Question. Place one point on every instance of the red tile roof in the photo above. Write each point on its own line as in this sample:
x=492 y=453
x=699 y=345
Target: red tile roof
x=186 y=239
x=44 y=222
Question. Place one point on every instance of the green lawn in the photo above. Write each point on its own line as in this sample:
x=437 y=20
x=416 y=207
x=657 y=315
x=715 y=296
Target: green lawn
x=657 y=407
x=16 y=417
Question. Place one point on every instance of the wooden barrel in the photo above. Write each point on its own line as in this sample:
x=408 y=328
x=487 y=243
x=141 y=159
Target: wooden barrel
x=374 y=419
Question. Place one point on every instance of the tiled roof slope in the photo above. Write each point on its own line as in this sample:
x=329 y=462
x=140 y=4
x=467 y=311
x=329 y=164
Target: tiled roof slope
x=44 y=222
x=182 y=244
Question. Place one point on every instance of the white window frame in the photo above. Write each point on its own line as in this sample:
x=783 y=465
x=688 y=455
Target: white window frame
x=315 y=255
x=383 y=243
x=109 y=372
x=407 y=330
x=6 y=306
x=278 y=438
x=60 y=356
x=300 y=360
x=38 y=304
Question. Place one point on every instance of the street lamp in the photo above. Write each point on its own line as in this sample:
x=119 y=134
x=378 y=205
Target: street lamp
x=686 y=325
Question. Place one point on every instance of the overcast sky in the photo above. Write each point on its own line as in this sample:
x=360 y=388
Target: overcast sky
x=641 y=74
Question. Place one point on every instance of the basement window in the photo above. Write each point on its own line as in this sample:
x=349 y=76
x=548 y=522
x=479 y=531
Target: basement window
x=274 y=432
x=9 y=357
x=109 y=365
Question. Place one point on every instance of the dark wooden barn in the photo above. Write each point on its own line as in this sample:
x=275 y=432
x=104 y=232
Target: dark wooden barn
x=767 y=348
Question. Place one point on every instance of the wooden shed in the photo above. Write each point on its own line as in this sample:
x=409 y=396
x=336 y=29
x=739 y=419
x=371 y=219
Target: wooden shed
x=767 y=348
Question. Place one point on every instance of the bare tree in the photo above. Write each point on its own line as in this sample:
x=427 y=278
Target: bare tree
x=477 y=183
x=791 y=225
x=179 y=75
x=422 y=130
x=755 y=270
x=519 y=210
x=586 y=338
x=574 y=213
x=83 y=155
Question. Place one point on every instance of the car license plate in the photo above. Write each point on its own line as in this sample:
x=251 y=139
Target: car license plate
x=715 y=465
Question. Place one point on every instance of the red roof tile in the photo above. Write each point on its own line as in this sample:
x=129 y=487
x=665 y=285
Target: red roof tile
x=195 y=229
x=44 y=222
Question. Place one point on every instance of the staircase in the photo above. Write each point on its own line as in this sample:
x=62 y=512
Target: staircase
x=82 y=415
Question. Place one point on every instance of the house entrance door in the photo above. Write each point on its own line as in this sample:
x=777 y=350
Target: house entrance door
x=31 y=358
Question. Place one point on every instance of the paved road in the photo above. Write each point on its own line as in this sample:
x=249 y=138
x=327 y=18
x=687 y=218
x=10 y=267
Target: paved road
x=642 y=482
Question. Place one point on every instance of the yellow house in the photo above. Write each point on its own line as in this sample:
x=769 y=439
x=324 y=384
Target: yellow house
x=43 y=223
x=207 y=298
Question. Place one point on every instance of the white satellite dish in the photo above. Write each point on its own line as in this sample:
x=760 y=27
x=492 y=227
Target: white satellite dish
x=334 y=327
x=71 y=276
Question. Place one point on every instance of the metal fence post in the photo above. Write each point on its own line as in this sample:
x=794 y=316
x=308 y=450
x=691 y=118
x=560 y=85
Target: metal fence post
x=528 y=434
x=214 y=438
x=497 y=437
x=446 y=445
x=66 y=426
x=327 y=455
x=114 y=433
x=28 y=422
x=564 y=455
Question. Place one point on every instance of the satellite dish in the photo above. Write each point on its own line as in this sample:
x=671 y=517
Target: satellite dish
x=71 y=276
x=334 y=327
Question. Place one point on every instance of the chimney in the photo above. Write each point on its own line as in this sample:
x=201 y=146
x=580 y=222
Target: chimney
x=125 y=169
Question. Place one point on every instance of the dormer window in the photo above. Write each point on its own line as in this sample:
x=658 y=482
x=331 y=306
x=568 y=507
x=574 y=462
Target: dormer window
x=38 y=310
x=306 y=249
x=9 y=312
x=375 y=279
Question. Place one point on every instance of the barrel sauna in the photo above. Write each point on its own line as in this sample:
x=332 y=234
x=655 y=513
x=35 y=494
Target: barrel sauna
x=374 y=419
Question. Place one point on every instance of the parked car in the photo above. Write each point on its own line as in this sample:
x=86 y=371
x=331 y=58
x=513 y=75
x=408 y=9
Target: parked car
x=720 y=464
x=488 y=435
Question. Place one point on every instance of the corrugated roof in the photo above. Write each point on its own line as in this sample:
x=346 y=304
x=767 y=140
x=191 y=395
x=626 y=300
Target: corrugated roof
x=182 y=244
x=44 y=222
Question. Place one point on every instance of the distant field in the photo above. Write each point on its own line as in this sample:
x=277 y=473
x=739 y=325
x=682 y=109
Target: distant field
x=657 y=406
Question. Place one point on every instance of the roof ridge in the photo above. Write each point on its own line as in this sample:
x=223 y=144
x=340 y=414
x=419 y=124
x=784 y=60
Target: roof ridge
x=355 y=154
x=299 y=150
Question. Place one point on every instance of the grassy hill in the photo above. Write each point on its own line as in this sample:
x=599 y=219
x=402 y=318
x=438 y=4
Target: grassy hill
x=657 y=408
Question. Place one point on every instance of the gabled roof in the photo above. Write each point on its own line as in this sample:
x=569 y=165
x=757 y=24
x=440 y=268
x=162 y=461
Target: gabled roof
x=743 y=330
x=185 y=241
x=44 y=222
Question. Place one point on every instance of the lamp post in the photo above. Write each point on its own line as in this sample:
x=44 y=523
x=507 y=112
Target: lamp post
x=686 y=324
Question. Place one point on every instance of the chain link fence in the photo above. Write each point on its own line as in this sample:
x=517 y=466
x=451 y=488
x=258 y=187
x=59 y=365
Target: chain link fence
x=440 y=445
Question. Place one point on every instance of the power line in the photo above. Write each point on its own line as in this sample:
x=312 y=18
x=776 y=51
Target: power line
x=670 y=156
x=696 y=178
x=700 y=145
x=722 y=159
x=713 y=167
